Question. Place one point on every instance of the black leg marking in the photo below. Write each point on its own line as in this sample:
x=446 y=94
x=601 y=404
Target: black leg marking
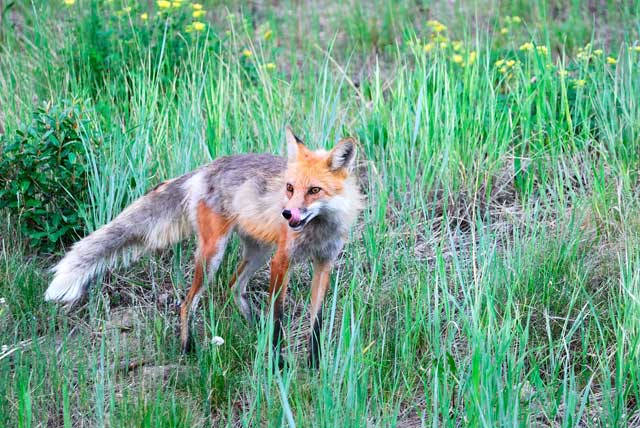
x=189 y=347
x=278 y=361
x=314 y=342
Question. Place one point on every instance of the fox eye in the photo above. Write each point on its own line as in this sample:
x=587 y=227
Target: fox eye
x=289 y=188
x=314 y=190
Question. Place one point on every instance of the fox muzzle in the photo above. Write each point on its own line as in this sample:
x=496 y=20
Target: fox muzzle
x=296 y=217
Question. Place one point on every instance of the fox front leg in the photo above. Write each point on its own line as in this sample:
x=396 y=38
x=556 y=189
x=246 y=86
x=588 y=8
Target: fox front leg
x=277 y=292
x=319 y=285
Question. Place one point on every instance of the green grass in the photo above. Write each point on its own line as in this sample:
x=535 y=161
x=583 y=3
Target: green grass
x=491 y=281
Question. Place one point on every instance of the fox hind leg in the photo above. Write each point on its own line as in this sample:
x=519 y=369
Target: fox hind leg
x=254 y=256
x=186 y=342
x=213 y=231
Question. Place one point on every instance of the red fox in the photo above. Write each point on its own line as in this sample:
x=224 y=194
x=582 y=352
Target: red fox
x=303 y=206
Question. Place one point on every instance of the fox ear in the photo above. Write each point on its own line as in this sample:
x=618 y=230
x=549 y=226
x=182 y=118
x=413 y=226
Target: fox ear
x=343 y=155
x=294 y=144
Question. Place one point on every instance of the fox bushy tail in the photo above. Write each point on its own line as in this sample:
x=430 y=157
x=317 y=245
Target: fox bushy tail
x=156 y=220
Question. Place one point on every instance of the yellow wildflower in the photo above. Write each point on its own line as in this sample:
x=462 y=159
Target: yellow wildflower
x=247 y=53
x=440 y=28
x=611 y=60
x=270 y=66
x=267 y=34
x=69 y=2
x=472 y=57
x=176 y=3
x=579 y=83
x=526 y=47
x=636 y=48
x=504 y=30
x=503 y=69
x=542 y=50
x=428 y=47
x=196 y=6
x=443 y=45
x=499 y=63
x=512 y=19
x=597 y=52
x=198 y=26
x=163 y=4
x=562 y=73
x=585 y=52
x=436 y=26
x=511 y=63
x=457 y=58
x=199 y=13
x=188 y=28
x=144 y=16
x=457 y=45
x=439 y=38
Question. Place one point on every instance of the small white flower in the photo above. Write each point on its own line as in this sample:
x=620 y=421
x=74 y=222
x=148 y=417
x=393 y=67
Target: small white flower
x=3 y=300
x=4 y=349
x=217 y=341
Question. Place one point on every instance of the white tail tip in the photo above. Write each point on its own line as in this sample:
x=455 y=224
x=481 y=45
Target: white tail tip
x=65 y=288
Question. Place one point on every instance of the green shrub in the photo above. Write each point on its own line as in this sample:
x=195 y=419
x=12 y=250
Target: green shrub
x=43 y=176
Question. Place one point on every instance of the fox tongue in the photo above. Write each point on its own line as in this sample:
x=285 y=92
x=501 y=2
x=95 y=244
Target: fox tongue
x=295 y=216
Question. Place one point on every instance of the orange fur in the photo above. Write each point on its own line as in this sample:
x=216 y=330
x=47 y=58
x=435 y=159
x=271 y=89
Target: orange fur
x=264 y=232
x=279 y=270
x=319 y=285
x=313 y=169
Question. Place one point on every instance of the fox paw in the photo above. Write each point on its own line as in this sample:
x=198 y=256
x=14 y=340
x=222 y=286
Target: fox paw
x=279 y=363
x=188 y=346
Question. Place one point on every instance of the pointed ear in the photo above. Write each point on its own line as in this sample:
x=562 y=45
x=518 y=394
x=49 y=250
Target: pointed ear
x=294 y=144
x=343 y=155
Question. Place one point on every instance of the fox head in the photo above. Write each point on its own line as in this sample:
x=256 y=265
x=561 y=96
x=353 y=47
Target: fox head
x=319 y=183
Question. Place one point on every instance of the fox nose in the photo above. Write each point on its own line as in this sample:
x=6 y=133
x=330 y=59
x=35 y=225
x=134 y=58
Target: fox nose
x=286 y=214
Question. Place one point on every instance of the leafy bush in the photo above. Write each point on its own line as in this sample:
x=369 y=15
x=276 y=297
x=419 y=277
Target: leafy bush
x=43 y=176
